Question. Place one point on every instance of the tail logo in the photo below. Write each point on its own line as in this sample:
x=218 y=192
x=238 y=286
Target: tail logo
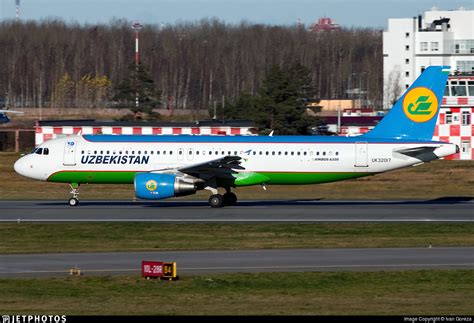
x=420 y=104
x=151 y=185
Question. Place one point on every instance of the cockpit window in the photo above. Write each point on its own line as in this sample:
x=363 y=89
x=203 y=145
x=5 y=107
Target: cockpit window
x=46 y=151
x=39 y=151
x=34 y=150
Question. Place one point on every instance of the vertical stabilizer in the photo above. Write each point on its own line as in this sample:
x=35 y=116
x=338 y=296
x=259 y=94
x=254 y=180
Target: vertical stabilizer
x=414 y=115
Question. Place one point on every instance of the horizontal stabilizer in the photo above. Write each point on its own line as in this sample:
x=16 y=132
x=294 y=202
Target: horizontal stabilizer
x=424 y=154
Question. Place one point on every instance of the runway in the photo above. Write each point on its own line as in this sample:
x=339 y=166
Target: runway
x=294 y=211
x=204 y=262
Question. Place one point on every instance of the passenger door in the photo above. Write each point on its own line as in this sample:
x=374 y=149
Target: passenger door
x=361 y=154
x=70 y=147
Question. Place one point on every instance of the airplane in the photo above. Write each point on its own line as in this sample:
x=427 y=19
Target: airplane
x=163 y=166
x=3 y=115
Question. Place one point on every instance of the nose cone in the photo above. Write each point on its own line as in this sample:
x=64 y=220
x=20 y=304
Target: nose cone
x=29 y=167
x=32 y=166
x=21 y=166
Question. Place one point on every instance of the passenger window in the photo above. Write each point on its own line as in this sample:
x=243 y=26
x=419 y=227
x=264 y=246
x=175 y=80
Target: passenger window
x=259 y=152
x=298 y=153
x=286 y=153
x=46 y=151
x=164 y=152
x=171 y=152
x=254 y=152
x=292 y=153
x=157 y=152
x=337 y=153
x=304 y=153
x=108 y=152
x=266 y=153
x=324 y=153
x=82 y=152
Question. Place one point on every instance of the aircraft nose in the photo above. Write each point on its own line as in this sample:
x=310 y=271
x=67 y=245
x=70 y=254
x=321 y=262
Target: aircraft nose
x=21 y=166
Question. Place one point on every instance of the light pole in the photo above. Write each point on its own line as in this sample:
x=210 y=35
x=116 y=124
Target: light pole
x=137 y=27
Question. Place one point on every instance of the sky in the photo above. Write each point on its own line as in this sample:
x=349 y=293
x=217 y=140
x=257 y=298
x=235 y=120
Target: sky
x=348 y=13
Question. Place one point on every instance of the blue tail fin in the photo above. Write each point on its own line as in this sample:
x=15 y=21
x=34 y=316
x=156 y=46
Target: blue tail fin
x=414 y=115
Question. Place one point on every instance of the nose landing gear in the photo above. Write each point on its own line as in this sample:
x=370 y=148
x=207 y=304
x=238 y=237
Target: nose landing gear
x=74 y=201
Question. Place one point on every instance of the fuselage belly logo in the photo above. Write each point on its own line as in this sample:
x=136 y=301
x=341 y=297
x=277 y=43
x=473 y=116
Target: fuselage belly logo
x=420 y=104
x=151 y=185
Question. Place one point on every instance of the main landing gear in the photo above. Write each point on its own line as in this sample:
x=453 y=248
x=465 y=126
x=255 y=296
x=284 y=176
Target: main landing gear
x=217 y=200
x=74 y=201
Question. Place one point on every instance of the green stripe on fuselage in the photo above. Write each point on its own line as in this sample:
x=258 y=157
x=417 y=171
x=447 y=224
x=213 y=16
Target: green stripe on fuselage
x=310 y=178
x=242 y=179
x=93 y=177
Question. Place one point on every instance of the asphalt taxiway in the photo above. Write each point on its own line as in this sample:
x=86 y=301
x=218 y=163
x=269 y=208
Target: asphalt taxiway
x=294 y=211
x=205 y=262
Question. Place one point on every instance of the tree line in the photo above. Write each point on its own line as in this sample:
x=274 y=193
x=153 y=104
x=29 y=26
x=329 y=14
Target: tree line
x=194 y=66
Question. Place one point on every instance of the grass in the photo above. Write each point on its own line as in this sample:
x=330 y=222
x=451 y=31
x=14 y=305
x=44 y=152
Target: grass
x=429 y=181
x=82 y=237
x=433 y=292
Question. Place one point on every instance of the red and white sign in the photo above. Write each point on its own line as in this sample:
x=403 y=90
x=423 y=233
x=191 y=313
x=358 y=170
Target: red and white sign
x=152 y=268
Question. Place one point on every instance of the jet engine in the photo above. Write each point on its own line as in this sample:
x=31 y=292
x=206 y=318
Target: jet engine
x=152 y=186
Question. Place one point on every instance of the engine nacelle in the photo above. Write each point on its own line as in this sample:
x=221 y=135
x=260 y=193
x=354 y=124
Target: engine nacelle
x=150 y=186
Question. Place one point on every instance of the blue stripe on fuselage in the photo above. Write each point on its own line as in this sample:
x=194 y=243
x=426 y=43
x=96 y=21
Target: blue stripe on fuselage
x=244 y=139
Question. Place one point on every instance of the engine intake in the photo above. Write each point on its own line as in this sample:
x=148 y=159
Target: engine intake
x=151 y=186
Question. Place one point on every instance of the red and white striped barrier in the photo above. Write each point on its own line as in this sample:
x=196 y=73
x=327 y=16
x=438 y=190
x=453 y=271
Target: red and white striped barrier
x=44 y=133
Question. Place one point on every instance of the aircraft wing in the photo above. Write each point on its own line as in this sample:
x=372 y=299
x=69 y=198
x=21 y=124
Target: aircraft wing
x=221 y=168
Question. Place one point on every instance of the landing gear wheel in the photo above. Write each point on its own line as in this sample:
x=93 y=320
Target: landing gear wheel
x=73 y=201
x=216 y=200
x=230 y=199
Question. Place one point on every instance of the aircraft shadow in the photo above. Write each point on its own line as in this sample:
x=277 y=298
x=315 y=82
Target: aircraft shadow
x=303 y=202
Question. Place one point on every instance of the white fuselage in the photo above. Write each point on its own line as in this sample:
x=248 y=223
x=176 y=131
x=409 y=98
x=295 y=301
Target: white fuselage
x=345 y=156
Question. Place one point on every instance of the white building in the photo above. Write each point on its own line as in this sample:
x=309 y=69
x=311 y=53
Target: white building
x=412 y=44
